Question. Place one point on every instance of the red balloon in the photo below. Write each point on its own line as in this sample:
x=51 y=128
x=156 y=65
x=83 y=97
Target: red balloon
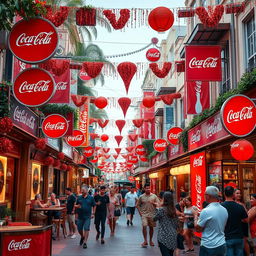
x=124 y=103
x=242 y=150
x=101 y=102
x=149 y=101
x=161 y=19
x=104 y=137
x=102 y=123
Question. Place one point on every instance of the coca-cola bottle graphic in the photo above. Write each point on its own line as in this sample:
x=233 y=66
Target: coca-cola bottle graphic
x=198 y=106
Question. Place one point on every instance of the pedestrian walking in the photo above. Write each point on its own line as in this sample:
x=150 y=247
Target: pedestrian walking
x=146 y=206
x=71 y=200
x=252 y=220
x=180 y=213
x=123 y=192
x=131 y=199
x=102 y=207
x=85 y=206
x=113 y=204
x=234 y=229
x=211 y=223
x=168 y=225
x=190 y=217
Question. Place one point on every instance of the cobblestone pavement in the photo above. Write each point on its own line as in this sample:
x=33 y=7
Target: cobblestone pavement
x=126 y=242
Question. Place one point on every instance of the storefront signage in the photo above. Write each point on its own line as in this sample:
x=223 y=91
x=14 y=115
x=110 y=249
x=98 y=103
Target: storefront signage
x=238 y=115
x=55 y=126
x=24 y=118
x=84 y=123
x=131 y=178
x=29 y=244
x=84 y=76
x=173 y=135
x=160 y=145
x=140 y=150
x=34 y=87
x=207 y=132
x=67 y=150
x=153 y=54
x=203 y=63
x=76 y=140
x=34 y=40
x=174 y=151
x=158 y=159
x=198 y=178
x=18 y=66
x=88 y=151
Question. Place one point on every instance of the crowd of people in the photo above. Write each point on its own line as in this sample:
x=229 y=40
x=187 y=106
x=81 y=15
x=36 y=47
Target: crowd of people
x=227 y=227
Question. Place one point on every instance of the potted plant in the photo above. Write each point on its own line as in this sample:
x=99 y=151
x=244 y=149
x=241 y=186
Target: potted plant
x=6 y=214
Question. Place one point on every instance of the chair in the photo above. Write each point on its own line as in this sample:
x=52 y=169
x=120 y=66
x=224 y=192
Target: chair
x=14 y=224
x=38 y=218
x=61 y=222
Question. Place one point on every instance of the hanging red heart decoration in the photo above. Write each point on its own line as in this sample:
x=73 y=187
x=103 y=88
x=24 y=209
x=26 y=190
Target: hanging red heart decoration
x=106 y=150
x=161 y=73
x=104 y=137
x=57 y=17
x=118 y=150
x=120 y=23
x=138 y=122
x=120 y=124
x=118 y=139
x=94 y=136
x=107 y=156
x=102 y=123
x=124 y=103
x=78 y=100
x=167 y=99
x=101 y=102
x=127 y=70
x=212 y=17
x=130 y=149
x=149 y=101
x=115 y=156
x=133 y=137
x=57 y=66
x=93 y=69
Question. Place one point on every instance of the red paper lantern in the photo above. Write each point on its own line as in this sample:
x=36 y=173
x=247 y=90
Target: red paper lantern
x=61 y=156
x=56 y=163
x=6 y=145
x=40 y=143
x=149 y=102
x=161 y=19
x=124 y=103
x=104 y=137
x=5 y=125
x=93 y=69
x=48 y=161
x=63 y=167
x=138 y=122
x=120 y=124
x=242 y=150
x=101 y=102
x=102 y=123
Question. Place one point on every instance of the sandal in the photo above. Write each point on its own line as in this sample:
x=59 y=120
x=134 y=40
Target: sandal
x=144 y=245
x=152 y=244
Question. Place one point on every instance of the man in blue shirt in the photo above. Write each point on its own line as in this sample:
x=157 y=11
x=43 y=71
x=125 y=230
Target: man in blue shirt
x=85 y=205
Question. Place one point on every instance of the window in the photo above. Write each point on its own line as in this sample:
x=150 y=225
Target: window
x=250 y=37
x=225 y=84
x=182 y=120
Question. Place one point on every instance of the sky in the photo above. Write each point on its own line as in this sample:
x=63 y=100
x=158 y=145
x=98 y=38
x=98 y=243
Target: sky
x=118 y=42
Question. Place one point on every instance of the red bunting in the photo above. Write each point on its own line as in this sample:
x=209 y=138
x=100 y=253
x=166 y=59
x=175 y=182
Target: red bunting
x=93 y=69
x=118 y=150
x=149 y=101
x=118 y=139
x=120 y=124
x=161 y=73
x=167 y=99
x=106 y=150
x=97 y=148
x=130 y=149
x=124 y=103
x=120 y=23
x=127 y=70
x=115 y=156
x=138 y=122
x=102 y=123
x=57 y=67
x=57 y=17
x=94 y=160
x=133 y=137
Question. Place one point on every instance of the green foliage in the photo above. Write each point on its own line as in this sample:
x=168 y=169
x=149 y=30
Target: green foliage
x=57 y=109
x=4 y=96
x=247 y=82
x=6 y=212
x=148 y=144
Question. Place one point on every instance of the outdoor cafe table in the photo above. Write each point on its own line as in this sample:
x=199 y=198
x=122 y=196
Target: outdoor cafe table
x=26 y=240
x=47 y=209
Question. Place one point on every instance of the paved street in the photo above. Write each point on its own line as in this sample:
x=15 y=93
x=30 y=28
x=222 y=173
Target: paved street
x=125 y=243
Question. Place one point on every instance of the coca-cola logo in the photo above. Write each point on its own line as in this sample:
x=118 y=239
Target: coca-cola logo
x=196 y=137
x=88 y=151
x=173 y=135
x=153 y=55
x=34 y=40
x=198 y=161
x=76 y=140
x=214 y=127
x=140 y=150
x=16 y=246
x=21 y=116
x=209 y=62
x=160 y=145
x=238 y=115
x=55 y=126
x=61 y=86
x=84 y=76
x=34 y=87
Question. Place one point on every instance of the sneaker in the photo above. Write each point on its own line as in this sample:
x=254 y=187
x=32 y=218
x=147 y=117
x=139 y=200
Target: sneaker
x=73 y=236
x=128 y=222
x=102 y=241
x=85 y=246
x=81 y=241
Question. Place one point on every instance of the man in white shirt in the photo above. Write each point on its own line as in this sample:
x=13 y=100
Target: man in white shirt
x=211 y=223
x=130 y=203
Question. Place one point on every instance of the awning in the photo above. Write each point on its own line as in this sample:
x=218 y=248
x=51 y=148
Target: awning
x=203 y=35
x=166 y=90
x=159 y=112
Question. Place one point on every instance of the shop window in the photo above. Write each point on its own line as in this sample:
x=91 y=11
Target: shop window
x=225 y=83
x=250 y=43
x=10 y=178
x=59 y=182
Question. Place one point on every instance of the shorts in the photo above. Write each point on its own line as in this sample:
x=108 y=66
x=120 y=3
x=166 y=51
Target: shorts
x=71 y=218
x=84 y=224
x=147 y=221
x=130 y=210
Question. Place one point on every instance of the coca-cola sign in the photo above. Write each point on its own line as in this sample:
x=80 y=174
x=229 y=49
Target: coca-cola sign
x=76 y=140
x=34 y=40
x=173 y=135
x=84 y=76
x=55 y=126
x=140 y=150
x=160 y=145
x=88 y=151
x=34 y=87
x=203 y=63
x=153 y=55
x=19 y=245
x=238 y=115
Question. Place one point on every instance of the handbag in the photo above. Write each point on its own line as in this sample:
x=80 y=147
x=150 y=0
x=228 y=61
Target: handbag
x=117 y=212
x=190 y=223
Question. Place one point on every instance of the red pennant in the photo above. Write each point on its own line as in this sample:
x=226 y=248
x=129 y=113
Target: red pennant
x=124 y=103
x=167 y=99
x=93 y=69
x=118 y=150
x=120 y=124
x=107 y=156
x=118 y=139
x=130 y=149
x=106 y=150
x=124 y=156
x=102 y=123
x=133 y=137
x=123 y=18
x=115 y=156
x=78 y=100
x=127 y=70
x=138 y=122
x=161 y=73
